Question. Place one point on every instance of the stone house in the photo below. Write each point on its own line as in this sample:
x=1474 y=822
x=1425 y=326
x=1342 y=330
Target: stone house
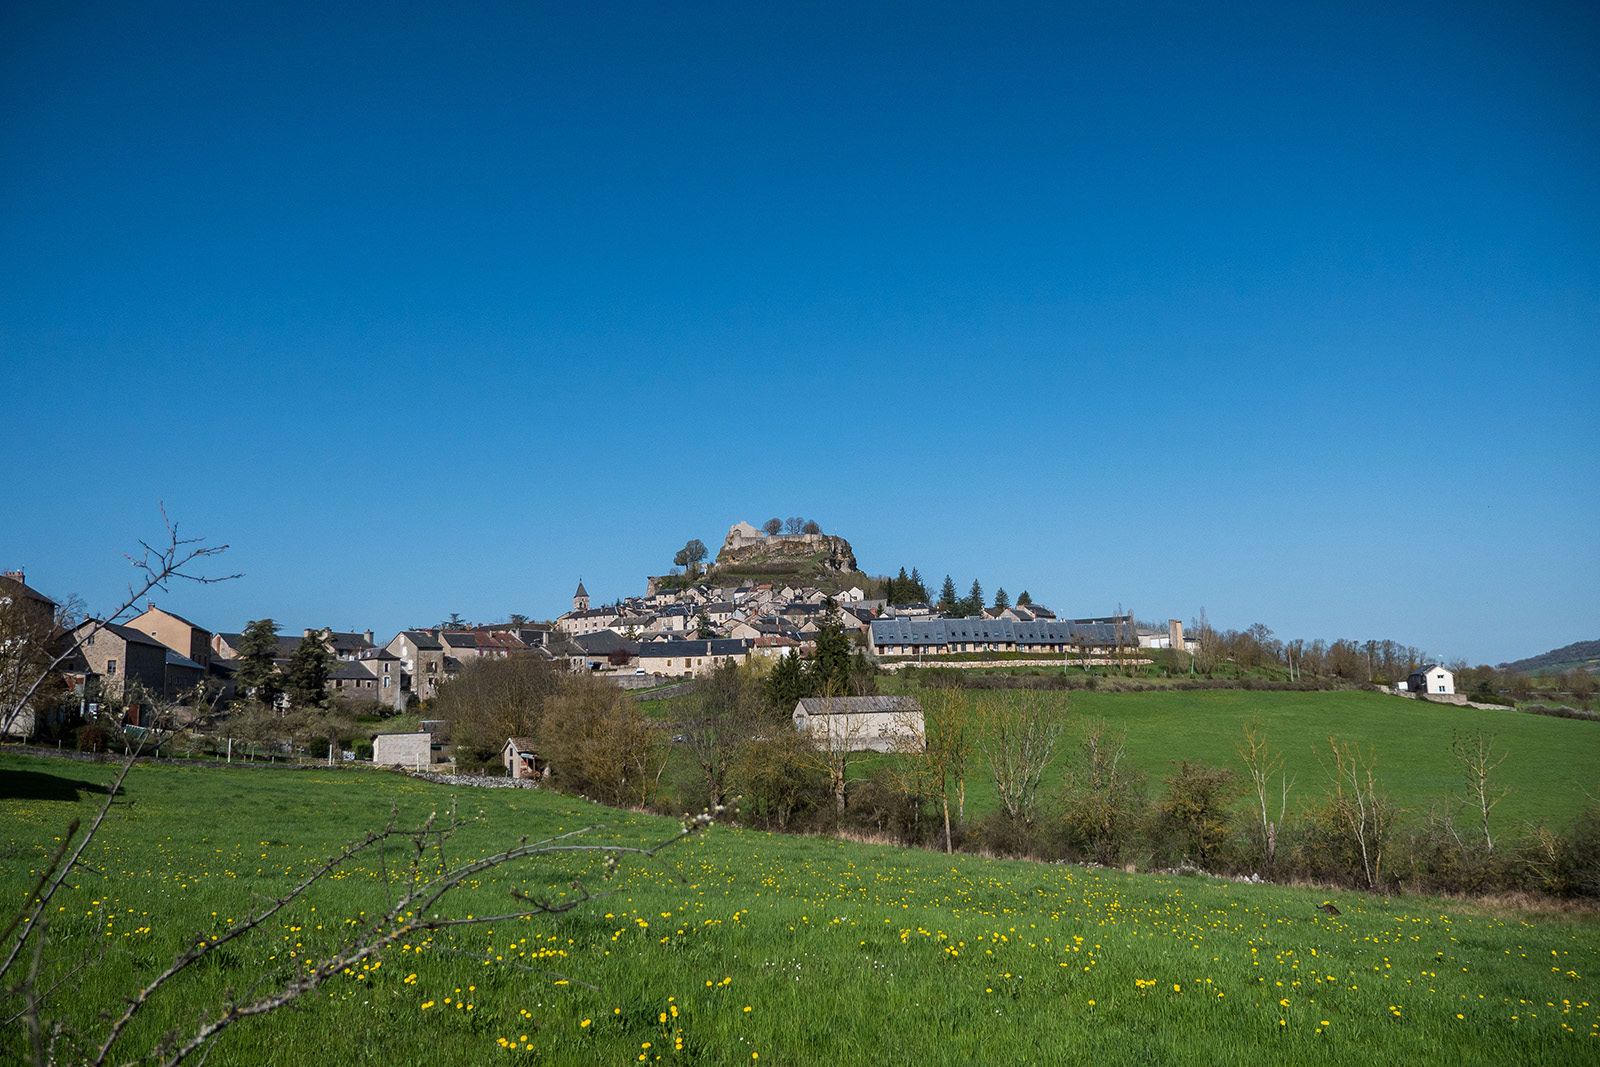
x=678 y=659
x=421 y=659
x=119 y=655
x=413 y=750
x=176 y=632
x=862 y=724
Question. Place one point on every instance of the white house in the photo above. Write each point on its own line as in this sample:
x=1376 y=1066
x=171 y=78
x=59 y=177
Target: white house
x=1431 y=678
x=860 y=724
x=403 y=750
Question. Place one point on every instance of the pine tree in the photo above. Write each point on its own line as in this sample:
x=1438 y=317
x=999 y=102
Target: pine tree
x=921 y=591
x=308 y=672
x=702 y=626
x=1023 y=599
x=786 y=684
x=948 y=604
x=1001 y=601
x=257 y=674
x=975 y=599
x=830 y=667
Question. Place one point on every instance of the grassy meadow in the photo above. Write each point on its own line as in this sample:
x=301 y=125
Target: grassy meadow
x=745 y=947
x=1549 y=761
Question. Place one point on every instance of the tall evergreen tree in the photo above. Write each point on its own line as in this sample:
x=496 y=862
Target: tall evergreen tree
x=949 y=603
x=921 y=590
x=702 y=626
x=975 y=599
x=1023 y=599
x=308 y=672
x=257 y=674
x=786 y=684
x=830 y=667
x=1001 y=601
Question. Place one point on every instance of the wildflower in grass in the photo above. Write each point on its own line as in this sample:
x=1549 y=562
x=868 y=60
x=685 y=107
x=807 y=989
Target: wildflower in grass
x=585 y=1022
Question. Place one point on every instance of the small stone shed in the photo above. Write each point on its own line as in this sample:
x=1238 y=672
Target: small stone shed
x=521 y=761
x=403 y=750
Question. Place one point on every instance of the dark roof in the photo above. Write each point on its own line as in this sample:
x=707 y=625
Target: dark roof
x=348 y=642
x=128 y=634
x=422 y=639
x=1040 y=631
x=857 y=705
x=581 y=590
x=349 y=669
x=175 y=660
x=27 y=590
x=605 y=642
x=725 y=646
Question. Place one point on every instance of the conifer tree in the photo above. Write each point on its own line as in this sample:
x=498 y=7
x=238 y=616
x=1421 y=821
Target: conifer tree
x=308 y=672
x=787 y=683
x=1023 y=599
x=949 y=603
x=975 y=599
x=921 y=591
x=1001 y=601
x=257 y=674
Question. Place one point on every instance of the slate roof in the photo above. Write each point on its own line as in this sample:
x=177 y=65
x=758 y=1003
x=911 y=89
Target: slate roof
x=605 y=642
x=422 y=639
x=176 y=660
x=904 y=631
x=879 y=705
x=725 y=646
x=581 y=590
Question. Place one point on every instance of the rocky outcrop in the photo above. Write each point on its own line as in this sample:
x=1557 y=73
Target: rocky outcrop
x=746 y=545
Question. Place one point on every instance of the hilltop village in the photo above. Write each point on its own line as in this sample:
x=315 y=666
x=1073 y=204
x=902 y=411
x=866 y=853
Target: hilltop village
x=684 y=624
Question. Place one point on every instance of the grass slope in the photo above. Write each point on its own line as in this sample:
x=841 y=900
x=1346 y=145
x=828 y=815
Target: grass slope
x=745 y=947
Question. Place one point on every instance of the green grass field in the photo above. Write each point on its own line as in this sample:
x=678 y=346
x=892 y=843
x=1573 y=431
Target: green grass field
x=1549 y=761
x=745 y=947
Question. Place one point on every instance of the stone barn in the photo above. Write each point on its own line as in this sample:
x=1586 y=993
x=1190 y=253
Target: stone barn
x=862 y=724
x=403 y=750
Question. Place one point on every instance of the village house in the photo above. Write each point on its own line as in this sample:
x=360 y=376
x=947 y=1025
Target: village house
x=421 y=659
x=120 y=657
x=1431 y=678
x=679 y=659
x=176 y=632
x=862 y=724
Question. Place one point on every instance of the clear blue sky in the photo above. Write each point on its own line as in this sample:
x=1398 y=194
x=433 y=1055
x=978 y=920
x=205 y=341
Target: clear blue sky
x=1289 y=312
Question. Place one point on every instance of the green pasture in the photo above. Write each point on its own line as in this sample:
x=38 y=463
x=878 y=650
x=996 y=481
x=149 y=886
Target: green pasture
x=1549 y=762
x=742 y=947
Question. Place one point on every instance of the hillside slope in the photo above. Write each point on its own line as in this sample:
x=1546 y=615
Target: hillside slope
x=1580 y=655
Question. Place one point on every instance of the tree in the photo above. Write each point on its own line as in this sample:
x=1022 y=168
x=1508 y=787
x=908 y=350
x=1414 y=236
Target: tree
x=1001 y=600
x=974 y=602
x=811 y=527
x=257 y=674
x=1023 y=599
x=1477 y=759
x=830 y=666
x=949 y=604
x=1018 y=736
x=308 y=672
x=690 y=555
x=772 y=527
x=946 y=717
x=518 y=621
x=600 y=743
x=702 y=626
x=1261 y=764
x=793 y=524
x=1104 y=799
x=920 y=591
x=1193 y=813
x=720 y=713
x=490 y=700
x=1357 y=821
x=787 y=683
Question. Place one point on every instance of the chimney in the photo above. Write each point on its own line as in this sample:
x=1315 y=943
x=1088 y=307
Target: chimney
x=1175 y=634
x=368 y=636
x=17 y=575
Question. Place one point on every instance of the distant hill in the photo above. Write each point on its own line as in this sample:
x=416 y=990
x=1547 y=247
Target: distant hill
x=1580 y=655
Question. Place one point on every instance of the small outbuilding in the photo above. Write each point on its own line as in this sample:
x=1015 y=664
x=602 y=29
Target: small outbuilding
x=414 y=750
x=521 y=761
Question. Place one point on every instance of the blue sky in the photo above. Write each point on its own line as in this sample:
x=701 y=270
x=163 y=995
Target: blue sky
x=1289 y=312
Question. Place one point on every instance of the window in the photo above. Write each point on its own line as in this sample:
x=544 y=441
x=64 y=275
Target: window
x=386 y=683
x=111 y=668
